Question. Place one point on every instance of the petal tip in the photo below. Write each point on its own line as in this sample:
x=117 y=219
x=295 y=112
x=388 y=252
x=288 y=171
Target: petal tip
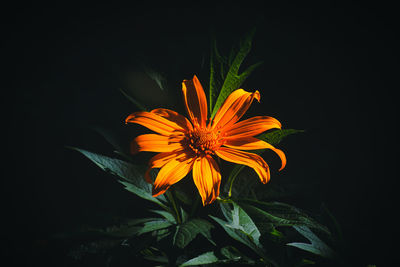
x=257 y=95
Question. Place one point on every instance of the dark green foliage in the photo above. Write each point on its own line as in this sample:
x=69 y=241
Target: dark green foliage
x=224 y=72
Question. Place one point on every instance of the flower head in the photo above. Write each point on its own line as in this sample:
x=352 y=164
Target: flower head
x=186 y=145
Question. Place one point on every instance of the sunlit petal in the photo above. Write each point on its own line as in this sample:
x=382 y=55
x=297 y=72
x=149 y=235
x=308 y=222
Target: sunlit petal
x=249 y=159
x=251 y=143
x=195 y=101
x=172 y=172
x=159 y=161
x=156 y=143
x=171 y=115
x=251 y=127
x=234 y=107
x=207 y=178
x=155 y=123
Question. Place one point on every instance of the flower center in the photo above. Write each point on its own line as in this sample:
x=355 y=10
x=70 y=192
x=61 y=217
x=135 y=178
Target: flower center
x=203 y=141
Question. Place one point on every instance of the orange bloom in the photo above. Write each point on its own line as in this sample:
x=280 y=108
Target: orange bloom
x=186 y=145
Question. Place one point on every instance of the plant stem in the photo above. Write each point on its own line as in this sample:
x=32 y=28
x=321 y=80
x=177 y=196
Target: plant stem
x=232 y=178
x=172 y=200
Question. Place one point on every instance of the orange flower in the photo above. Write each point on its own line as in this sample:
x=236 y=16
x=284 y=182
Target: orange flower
x=192 y=145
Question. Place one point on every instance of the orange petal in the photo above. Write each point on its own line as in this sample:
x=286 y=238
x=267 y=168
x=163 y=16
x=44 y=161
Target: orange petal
x=172 y=172
x=207 y=178
x=159 y=161
x=174 y=116
x=155 y=122
x=156 y=143
x=249 y=159
x=195 y=101
x=234 y=107
x=252 y=143
x=251 y=127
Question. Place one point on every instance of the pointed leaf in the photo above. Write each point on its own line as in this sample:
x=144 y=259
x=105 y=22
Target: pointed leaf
x=187 y=231
x=317 y=246
x=205 y=258
x=154 y=225
x=132 y=175
x=275 y=137
x=167 y=215
x=279 y=214
x=240 y=227
x=233 y=79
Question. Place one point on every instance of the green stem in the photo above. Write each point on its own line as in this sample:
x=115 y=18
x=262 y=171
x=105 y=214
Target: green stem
x=235 y=172
x=172 y=200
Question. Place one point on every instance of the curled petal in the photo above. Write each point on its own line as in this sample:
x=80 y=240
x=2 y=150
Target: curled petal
x=249 y=159
x=155 y=123
x=195 y=101
x=252 y=143
x=156 y=143
x=207 y=178
x=251 y=127
x=172 y=172
x=171 y=115
x=234 y=107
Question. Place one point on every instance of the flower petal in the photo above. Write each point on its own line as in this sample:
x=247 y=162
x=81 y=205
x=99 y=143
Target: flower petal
x=171 y=115
x=172 y=172
x=251 y=127
x=207 y=178
x=155 y=123
x=252 y=143
x=234 y=107
x=159 y=161
x=195 y=101
x=156 y=143
x=249 y=159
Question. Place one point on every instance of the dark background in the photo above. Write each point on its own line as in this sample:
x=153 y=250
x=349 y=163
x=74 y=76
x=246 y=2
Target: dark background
x=327 y=70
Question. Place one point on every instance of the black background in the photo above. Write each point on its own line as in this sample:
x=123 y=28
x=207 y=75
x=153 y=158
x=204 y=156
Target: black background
x=328 y=70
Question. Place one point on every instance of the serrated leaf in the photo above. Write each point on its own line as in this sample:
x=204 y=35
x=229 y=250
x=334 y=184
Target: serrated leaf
x=205 y=258
x=279 y=214
x=132 y=175
x=317 y=246
x=187 y=231
x=232 y=80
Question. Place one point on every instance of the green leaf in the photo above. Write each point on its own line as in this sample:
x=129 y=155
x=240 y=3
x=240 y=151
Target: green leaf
x=167 y=215
x=205 y=258
x=154 y=225
x=132 y=175
x=232 y=254
x=240 y=227
x=276 y=136
x=317 y=246
x=233 y=79
x=188 y=230
x=279 y=214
